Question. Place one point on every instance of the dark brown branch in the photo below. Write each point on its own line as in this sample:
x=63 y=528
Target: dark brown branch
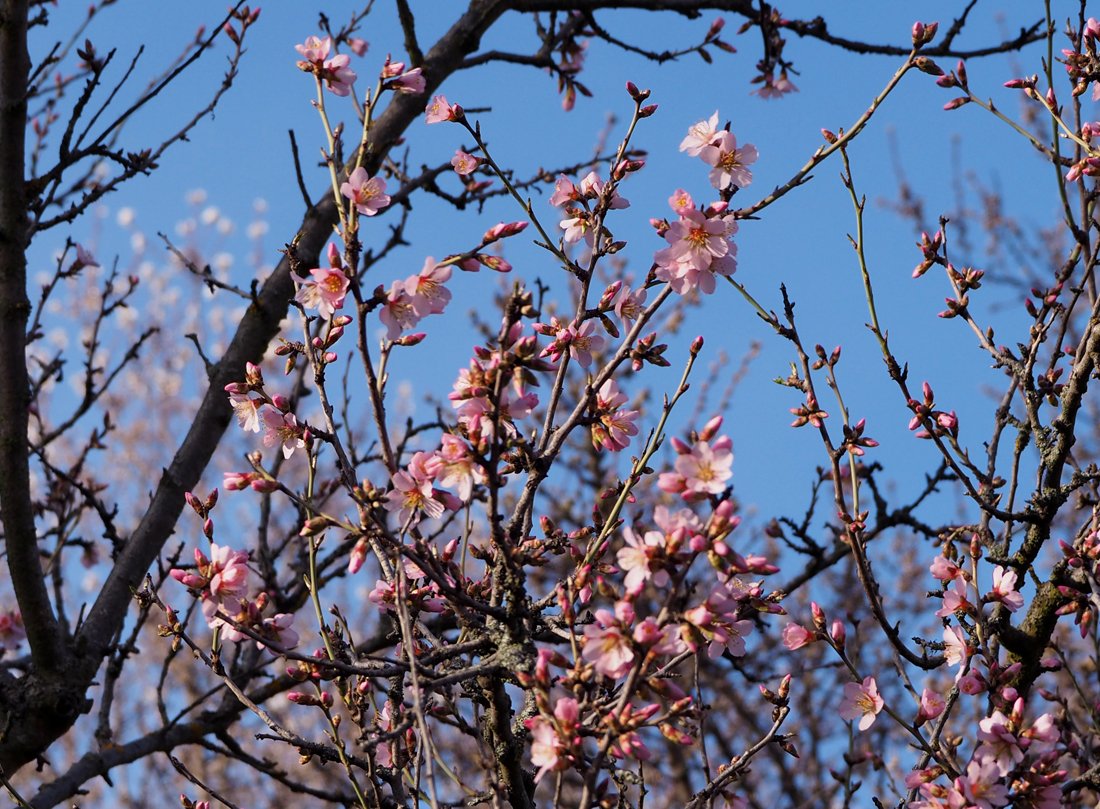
x=20 y=535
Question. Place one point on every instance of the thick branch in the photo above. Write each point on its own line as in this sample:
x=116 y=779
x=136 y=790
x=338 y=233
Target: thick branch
x=20 y=538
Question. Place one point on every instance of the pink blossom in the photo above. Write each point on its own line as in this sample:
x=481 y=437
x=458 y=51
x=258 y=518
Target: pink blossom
x=367 y=194
x=954 y=599
x=577 y=225
x=606 y=647
x=564 y=191
x=642 y=559
x=553 y=741
x=337 y=76
x=427 y=290
x=592 y=187
x=247 y=410
x=972 y=683
x=931 y=706
x=1042 y=735
x=999 y=744
x=630 y=305
x=458 y=468
x=464 y=164
x=223 y=584
x=410 y=83
x=729 y=162
x=227 y=571
x=681 y=202
x=659 y=640
x=772 y=87
x=981 y=786
x=277 y=630
x=282 y=429
x=400 y=311
x=945 y=570
x=716 y=621
x=584 y=341
x=412 y=493
x=795 y=636
x=385 y=752
x=956 y=649
x=470 y=395
x=861 y=700
x=439 y=110
x=699 y=248
x=700 y=135
x=315 y=50
x=705 y=469
x=613 y=427
x=358 y=46
x=696 y=239
x=682 y=518
x=325 y=291
x=1004 y=589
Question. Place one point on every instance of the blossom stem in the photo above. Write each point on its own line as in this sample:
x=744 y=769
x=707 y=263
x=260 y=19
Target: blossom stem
x=656 y=438
x=823 y=152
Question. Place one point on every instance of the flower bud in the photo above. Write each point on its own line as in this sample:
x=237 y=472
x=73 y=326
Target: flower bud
x=837 y=632
x=819 y=616
x=923 y=33
x=926 y=65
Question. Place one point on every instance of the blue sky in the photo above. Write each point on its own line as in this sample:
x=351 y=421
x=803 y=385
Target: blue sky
x=242 y=153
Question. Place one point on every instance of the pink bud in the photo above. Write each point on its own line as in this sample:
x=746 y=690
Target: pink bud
x=635 y=93
x=837 y=632
x=710 y=429
x=818 y=615
x=502 y=231
x=923 y=33
x=236 y=481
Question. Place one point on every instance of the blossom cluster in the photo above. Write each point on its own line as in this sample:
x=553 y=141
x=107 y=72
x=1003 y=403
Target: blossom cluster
x=257 y=411
x=634 y=638
x=222 y=584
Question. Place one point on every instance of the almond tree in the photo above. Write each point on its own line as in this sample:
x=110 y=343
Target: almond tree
x=546 y=616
